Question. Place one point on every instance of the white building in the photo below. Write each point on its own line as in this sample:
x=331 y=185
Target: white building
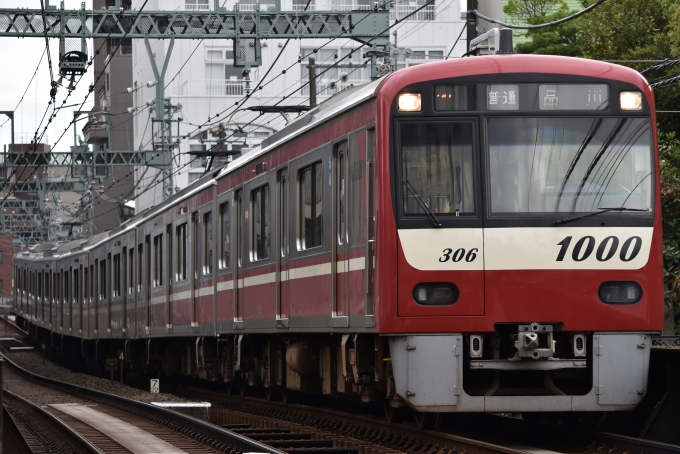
x=205 y=82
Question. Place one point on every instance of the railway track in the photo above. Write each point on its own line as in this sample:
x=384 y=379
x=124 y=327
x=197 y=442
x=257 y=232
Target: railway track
x=78 y=420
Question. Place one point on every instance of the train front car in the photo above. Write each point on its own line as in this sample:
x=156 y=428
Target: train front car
x=522 y=194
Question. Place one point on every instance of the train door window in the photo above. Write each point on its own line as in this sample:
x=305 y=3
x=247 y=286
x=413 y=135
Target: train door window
x=86 y=284
x=194 y=242
x=40 y=286
x=207 y=243
x=311 y=206
x=158 y=260
x=140 y=267
x=224 y=235
x=283 y=202
x=67 y=288
x=342 y=194
x=260 y=223
x=168 y=255
x=76 y=285
x=102 y=280
x=90 y=295
x=239 y=228
x=181 y=234
x=116 y=276
x=130 y=271
x=48 y=283
x=23 y=282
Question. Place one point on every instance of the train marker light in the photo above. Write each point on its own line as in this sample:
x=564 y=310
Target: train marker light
x=631 y=100
x=410 y=102
x=620 y=292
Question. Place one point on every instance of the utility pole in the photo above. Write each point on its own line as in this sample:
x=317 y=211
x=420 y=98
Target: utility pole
x=312 y=82
x=471 y=22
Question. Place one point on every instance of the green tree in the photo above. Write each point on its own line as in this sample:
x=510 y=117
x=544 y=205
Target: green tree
x=524 y=11
x=669 y=167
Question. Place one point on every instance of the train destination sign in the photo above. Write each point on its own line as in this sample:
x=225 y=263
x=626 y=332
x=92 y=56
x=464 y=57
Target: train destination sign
x=573 y=96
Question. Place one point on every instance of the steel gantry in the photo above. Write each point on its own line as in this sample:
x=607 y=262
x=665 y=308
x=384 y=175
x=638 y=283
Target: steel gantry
x=246 y=28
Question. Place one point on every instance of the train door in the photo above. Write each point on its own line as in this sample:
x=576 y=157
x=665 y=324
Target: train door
x=282 y=233
x=239 y=225
x=147 y=284
x=341 y=238
x=369 y=253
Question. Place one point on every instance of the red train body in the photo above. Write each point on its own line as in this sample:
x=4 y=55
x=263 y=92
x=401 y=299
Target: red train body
x=493 y=244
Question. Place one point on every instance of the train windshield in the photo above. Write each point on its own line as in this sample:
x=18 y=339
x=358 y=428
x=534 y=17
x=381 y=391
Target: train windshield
x=566 y=165
x=437 y=167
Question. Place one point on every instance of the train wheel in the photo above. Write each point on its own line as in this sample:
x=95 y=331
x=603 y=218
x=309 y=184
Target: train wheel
x=393 y=415
x=425 y=420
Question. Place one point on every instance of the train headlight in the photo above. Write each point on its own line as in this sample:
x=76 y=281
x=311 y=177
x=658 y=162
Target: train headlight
x=631 y=100
x=435 y=294
x=620 y=292
x=410 y=102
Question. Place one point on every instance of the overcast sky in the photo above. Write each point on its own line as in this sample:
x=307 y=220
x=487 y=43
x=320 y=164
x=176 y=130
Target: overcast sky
x=20 y=57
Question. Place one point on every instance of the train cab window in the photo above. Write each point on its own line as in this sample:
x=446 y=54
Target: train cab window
x=158 y=260
x=261 y=232
x=131 y=271
x=311 y=206
x=116 y=276
x=564 y=165
x=102 y=280
x=224 y=235
x=181 y=234
x=437 y=168
x=207 y=243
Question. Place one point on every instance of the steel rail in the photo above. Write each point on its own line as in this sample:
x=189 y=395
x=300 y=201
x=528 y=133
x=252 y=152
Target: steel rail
x=225 y=438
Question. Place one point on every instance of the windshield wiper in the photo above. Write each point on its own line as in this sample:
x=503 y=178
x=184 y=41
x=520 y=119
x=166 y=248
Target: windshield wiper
x=422 y=203
x=594 y=213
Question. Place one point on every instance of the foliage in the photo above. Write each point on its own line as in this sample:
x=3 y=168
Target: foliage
x=523 y=11
x=669 y=166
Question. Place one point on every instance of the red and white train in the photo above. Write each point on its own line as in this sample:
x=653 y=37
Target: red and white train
x=472 y=235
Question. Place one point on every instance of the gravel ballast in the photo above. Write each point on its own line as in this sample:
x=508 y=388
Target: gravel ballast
x=33 y=361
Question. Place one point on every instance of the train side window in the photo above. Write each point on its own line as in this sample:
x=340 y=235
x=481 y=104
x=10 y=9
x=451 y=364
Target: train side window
x=140 y=266
x=181 y=233
x=130 y=271
x=158 y=260
x=260 y=223
x=207 y=243
x=102 y=280
x=224 y=235
x=116 y=276
x=311 y=206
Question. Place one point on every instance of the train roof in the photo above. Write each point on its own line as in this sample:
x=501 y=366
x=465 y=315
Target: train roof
x=354 y=96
